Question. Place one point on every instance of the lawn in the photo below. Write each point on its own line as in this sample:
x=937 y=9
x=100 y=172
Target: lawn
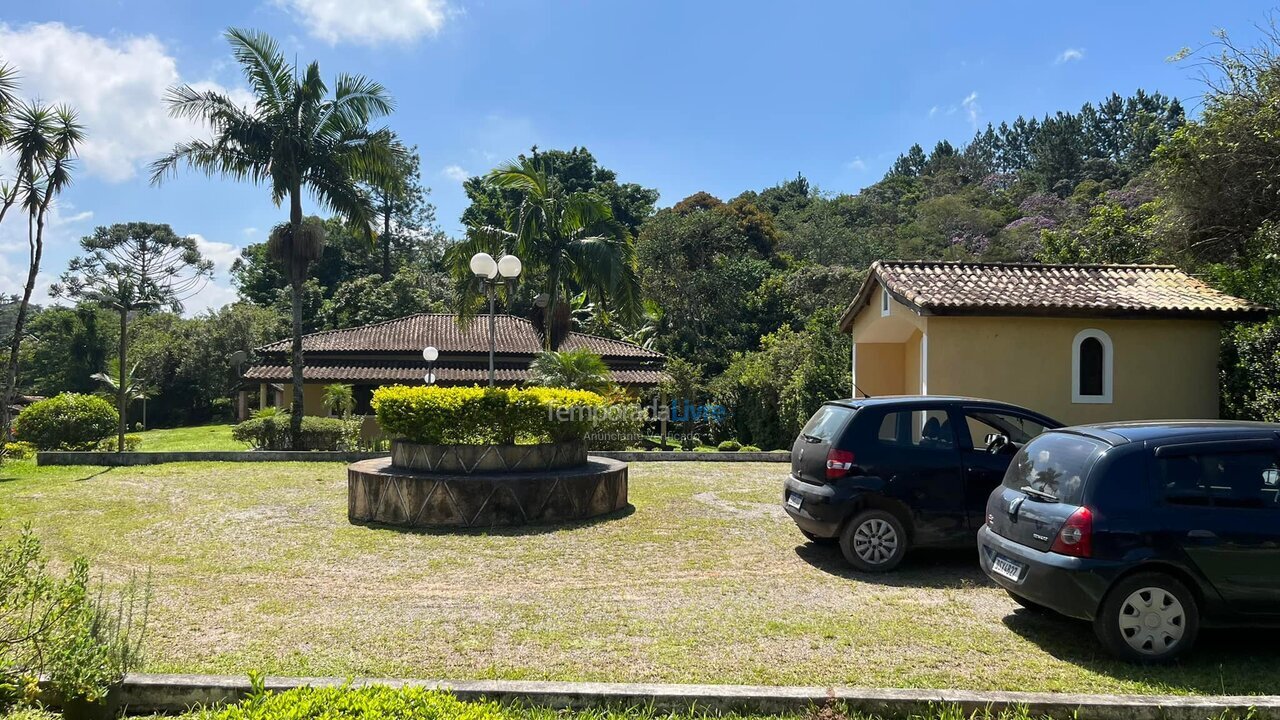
x=255 y=566
x=200 y=437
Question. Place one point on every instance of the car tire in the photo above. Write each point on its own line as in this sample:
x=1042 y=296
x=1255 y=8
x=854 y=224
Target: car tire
x=819 y=540
x=874 y=541
x=1148 y=618
x=1031 y=605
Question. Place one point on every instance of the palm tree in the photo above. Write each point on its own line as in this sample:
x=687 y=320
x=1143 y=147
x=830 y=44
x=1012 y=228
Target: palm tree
x=574 y=369
x=340 y=399
x=294 y=137
x=133 y=388
x=569 y=238
x=43 y=142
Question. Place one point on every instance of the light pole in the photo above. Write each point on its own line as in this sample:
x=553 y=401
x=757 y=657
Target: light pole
x=489 y=273
x=430 y=354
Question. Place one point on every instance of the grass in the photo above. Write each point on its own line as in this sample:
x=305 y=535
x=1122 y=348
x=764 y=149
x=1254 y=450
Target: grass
x=200 y=437
x=255 y=567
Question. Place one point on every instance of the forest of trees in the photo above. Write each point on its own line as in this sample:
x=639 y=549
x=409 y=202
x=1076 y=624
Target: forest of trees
x=743 y=292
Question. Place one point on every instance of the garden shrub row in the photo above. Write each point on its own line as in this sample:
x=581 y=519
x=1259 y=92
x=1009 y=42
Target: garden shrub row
x=485 y=416
x=271 y=432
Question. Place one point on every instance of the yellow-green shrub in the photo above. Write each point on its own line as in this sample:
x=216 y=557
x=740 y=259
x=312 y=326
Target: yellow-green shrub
x=366 y=703
x=484 y=416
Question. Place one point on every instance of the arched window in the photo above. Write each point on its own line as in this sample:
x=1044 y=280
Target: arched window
x=1091 y=367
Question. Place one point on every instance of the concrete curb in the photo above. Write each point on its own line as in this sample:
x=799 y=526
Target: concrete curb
x=131 y=459
x=143 y=693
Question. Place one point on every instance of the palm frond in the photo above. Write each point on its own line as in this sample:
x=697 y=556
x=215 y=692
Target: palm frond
x=264 y=66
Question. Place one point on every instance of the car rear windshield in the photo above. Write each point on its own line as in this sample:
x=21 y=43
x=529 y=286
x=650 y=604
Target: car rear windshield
x=826 y=422
x=1054 y=465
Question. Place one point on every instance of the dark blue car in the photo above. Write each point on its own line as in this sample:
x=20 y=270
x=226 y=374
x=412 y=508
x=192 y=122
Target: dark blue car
x=1148 y=530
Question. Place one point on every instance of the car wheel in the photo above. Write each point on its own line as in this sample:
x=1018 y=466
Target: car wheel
x=1148 y=618
x=1028 y=604
x=818 y=540
x=874 y=541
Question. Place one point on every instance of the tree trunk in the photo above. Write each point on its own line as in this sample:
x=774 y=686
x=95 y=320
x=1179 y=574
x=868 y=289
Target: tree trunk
x=386 y=242
x=297 y=273
x=122 y=394
x=35 y=240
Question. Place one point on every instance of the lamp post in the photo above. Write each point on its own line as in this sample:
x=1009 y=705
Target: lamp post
x=430 y=354
x=489 y=273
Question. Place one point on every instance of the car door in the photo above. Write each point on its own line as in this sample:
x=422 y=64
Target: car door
x=914 y=450
x=1228 y=525
x=983 y=470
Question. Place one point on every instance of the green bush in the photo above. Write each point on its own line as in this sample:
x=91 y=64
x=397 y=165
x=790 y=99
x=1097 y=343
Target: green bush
x=52 y=626
x=617 y=427
x=69 y=421
x=366 y=703
x=485 y=416
x=109 y=444
x=270 y=431
x=751 y=448
x=19 y=451
x=729 y=446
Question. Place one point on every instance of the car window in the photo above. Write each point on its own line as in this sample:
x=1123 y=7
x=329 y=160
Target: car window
x=1018 y=429
x=1221 y=479
x=1055 y=463
x=917 y=429
x=827 y=422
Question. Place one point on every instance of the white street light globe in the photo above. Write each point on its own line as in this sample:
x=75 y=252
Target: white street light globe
x=430 y=354
x=483 y=265
x=429 y=378
x=509 y=267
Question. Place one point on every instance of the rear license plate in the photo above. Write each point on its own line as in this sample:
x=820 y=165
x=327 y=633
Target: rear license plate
x=794 y=500
x=1004 y=567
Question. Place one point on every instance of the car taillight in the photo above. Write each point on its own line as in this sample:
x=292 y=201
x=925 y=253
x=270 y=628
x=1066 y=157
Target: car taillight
x=1076 y=536
x=839 y=463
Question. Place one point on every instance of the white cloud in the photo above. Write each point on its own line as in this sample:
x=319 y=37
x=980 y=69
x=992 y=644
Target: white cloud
x=117 y=86
x=971 y=108
x=455 y=173
x=857 y=164
x=1069 y=55
x=369 y=23
x=217 y=292
x=62 y=232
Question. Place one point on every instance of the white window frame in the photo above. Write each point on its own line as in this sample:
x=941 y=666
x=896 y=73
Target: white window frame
x=1108 y=367
x=885 y=302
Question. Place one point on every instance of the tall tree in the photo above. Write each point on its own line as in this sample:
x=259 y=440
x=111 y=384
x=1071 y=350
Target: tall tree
x=407 y=220
x=570 y=239
x=294 y=137
x=132 y=267
x=42 y=140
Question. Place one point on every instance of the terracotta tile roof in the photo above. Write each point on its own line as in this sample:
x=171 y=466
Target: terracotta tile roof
x=963 y=288
x=410 y=334
x=414 y=375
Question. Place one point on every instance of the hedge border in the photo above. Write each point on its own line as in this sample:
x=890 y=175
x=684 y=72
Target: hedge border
x=144 y=693
x=131 y=459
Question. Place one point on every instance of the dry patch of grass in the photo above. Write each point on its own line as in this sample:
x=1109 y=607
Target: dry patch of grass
x=255 y=566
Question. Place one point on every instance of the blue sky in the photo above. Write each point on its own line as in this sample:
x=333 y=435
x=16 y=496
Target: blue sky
x=681 y=96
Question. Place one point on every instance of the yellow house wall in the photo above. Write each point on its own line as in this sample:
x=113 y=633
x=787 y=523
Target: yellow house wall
x=880 y=368
x=911 y=365
x=1162 y=368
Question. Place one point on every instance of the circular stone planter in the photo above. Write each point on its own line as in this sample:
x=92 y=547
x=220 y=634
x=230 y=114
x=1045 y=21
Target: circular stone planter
x=473 y=459
x=380 y=493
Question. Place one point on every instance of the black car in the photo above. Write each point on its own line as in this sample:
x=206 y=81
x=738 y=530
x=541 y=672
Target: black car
x=881 y=475
x=1149 y=530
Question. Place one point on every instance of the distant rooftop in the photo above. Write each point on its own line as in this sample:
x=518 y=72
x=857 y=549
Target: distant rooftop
x=969 y=288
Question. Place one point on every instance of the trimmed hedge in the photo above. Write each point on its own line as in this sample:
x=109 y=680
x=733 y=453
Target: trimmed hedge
x=485 y=416
x=271 y=432
x=729 y=446
x=69 y=421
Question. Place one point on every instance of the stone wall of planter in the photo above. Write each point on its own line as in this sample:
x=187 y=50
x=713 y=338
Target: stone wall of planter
x=476 y=459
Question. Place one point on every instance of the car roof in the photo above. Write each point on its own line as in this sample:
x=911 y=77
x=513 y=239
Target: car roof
x=914 y=400
x=1123 y=433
